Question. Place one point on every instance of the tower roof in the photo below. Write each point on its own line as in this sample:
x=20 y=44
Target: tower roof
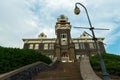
x=62 y=18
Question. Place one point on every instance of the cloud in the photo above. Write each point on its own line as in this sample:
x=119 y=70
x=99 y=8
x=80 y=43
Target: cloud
x=16 y=21
x=28 y=18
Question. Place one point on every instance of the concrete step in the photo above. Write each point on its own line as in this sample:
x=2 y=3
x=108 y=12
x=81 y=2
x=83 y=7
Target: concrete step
x=65 y=71
x=61 y=78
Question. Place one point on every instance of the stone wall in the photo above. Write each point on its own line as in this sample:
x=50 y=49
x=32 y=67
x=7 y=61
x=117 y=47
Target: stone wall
x=28 y=72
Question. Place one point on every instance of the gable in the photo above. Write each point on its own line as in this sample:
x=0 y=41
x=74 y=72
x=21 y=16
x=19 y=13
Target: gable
x=85 y=35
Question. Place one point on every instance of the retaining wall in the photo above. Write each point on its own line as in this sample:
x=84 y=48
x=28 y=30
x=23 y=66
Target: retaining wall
x=27 y=72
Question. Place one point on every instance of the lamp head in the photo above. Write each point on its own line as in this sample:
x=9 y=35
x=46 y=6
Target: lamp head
x=76 y=10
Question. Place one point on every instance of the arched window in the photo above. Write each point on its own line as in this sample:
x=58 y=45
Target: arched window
x=63 y=35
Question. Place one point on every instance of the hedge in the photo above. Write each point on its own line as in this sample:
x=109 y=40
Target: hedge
x=13 y=58
x=112 y=63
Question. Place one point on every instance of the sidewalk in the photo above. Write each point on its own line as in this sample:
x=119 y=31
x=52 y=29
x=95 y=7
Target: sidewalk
x=87 y=72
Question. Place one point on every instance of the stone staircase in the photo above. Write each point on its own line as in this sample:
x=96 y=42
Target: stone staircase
x=64 y=71
x=56 y=71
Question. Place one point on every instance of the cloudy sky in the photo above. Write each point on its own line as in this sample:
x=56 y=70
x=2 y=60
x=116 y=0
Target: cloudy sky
x=27 y=18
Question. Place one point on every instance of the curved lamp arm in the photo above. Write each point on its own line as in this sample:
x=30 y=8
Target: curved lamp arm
x=105 y=74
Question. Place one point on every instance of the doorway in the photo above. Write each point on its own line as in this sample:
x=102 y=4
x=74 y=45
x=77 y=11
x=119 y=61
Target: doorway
x=65 y=57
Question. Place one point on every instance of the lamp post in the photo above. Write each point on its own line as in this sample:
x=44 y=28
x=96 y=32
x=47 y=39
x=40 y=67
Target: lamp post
x=105 y=74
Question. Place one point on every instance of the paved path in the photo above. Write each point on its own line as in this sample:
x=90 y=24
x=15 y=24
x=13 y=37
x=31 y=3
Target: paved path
x=87 y=72
x=65 y=71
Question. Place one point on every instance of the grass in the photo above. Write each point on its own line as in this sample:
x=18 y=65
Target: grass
x=112 y=63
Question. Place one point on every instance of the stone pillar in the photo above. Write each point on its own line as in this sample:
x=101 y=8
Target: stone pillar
x=72 y=52
x=58 y=52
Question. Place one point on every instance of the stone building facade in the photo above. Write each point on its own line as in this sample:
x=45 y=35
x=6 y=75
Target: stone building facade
x=65 y=48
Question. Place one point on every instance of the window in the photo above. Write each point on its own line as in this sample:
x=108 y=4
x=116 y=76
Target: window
x=36 y=46
x=45 y=46
x=82 y=46
x=51 y=46
x=63 y=35
x=91 y=45
x=31 y=46
x=76 y=46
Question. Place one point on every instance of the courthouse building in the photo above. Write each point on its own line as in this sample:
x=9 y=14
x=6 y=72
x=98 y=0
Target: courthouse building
x=63 y=46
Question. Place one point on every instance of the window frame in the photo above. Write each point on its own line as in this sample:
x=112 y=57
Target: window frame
x=76 y=45
x=31 y=46
x=91 y=46
x=82 y=46
x=64 y=35
x=36 y=46
x=45 y=46
x=51 y=46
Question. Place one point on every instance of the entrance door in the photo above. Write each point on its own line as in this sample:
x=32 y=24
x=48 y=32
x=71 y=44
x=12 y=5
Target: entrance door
x=65 y=57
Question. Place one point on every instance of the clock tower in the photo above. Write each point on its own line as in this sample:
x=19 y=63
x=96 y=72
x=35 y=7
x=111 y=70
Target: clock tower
x=64 y=45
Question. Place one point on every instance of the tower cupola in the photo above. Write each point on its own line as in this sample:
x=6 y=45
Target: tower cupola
x=62 y=30
x=62 y=18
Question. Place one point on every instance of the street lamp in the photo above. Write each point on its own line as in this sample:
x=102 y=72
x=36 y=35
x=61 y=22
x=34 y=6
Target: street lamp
x=77 y=11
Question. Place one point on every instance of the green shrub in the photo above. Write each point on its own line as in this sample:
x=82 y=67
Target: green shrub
x=112 y=63
x=13 y=58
